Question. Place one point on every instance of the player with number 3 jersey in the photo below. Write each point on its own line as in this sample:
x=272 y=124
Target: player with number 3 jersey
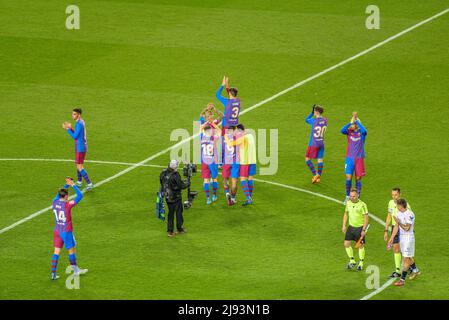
x=315 y=149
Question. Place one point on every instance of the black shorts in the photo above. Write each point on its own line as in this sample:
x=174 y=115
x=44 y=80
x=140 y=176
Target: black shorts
x=396 y=238
x=353 y=234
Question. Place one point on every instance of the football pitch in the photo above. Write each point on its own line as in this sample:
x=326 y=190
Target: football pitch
x=140 y=69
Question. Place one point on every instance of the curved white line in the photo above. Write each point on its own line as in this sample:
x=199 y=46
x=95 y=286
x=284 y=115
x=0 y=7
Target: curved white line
x=384 y=286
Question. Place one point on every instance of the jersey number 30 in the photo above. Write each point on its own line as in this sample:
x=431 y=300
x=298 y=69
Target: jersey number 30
x=319 y=132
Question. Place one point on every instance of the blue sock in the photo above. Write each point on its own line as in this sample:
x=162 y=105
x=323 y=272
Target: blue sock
x=320 y=168
x=251 y=187
x=311 y=167
x=85 y=176
x=72 y=258
x=79 y=175
x=54 y=263
x=206 y=189
x=214 y=187
x=358 y=185
x=245 y=189
x=348 y=187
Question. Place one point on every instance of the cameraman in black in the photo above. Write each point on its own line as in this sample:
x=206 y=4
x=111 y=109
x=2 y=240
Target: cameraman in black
x=172 y=187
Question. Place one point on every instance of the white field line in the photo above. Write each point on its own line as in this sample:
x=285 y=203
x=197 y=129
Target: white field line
x=257 y=105
x=71 y=161
x=384 y=286
x=358 y=55
x=375 y=218
x=297 y=85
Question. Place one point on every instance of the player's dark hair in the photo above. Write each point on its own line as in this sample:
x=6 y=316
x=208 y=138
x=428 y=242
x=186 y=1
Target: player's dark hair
x=231 y=127
x=240 y=127
x=63 y=192
x=207 y=127
x=233 y=91
x=318 y=108
x=402 y=203
x=78 y=110
x=396 y=189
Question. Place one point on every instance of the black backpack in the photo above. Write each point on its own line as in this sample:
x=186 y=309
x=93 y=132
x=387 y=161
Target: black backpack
x=166 y=192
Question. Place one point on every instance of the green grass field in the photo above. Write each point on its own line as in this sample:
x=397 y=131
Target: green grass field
x=140 y=69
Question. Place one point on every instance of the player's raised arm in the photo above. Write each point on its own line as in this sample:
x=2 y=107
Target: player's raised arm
x=344 y=130
x=79 y=194
x=57 y=195
x=220 y=114
x=309 y=118
x=361 y=127
x=223 y=100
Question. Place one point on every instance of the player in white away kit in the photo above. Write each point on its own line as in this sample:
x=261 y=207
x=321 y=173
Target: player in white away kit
x=405 y=222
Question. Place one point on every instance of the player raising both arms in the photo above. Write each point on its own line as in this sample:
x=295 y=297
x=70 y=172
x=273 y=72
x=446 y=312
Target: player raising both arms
x=391 y=215
x=315 y=150
x=209 y=167
x=80 y=137
x=405 y=222
x=357 y=212
x=355 y=153
x=231 y=105
x=63 y=233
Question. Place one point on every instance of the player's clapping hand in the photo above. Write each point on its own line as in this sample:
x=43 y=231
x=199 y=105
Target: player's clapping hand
x=223 y=83
x=69 y=181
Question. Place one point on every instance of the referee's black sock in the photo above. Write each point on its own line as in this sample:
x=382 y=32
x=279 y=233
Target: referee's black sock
x=404 y=275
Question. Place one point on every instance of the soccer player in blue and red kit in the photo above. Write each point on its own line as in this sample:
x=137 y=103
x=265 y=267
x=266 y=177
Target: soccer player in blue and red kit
x=63 y=232
x=209 y=167
x=231 y=109
x=355 y=153
x=79 y=135
x=315 y=149
x=231 y=167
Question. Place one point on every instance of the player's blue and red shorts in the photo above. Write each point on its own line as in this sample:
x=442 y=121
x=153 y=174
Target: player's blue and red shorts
x=315 y=152
x=64 y=238
x=79 y=157
x=209 y=170
x=355 y=165
x=247 y=170
x=230 y=171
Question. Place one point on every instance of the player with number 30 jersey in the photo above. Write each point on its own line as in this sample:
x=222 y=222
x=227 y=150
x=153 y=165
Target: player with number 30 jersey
x=315 y=149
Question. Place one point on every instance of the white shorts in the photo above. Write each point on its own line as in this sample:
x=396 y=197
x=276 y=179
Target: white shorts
x=407 y=245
